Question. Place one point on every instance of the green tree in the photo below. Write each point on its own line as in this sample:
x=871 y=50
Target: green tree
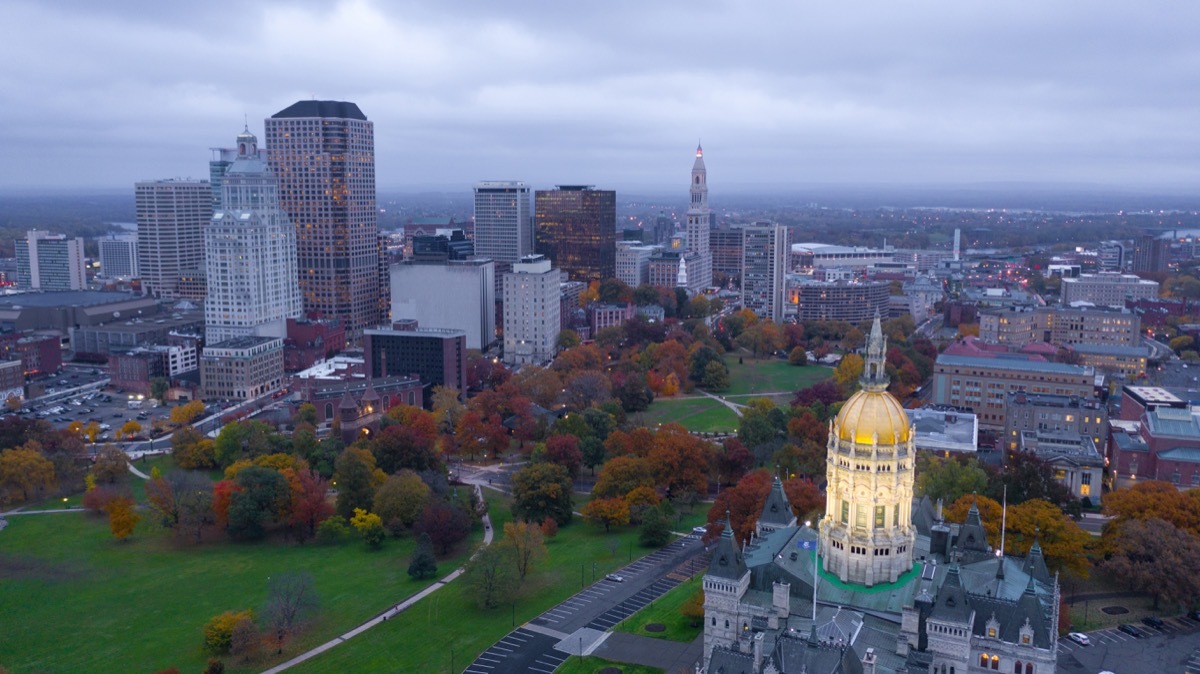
x=798 y=356
x=716 y=376
x=423 y=564
x=593 y=453
x=542 y=490
x=488 y=577
x=567 y=339
x=264 y=493
x=158 y=389
x=525 y=545
x=400 y=500
x=656 y=529
x=949 y=478
x=305 y=414
x=354 y=479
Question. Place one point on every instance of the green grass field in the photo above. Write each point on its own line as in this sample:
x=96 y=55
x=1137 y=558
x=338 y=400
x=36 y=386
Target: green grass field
x=695 y=414
x=449 y=624
x=665 y=611
x=72 y=599
x=771 y=375
x=592 y=665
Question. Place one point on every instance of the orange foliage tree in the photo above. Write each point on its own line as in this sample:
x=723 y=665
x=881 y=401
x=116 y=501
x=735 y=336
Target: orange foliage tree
x=607 y=511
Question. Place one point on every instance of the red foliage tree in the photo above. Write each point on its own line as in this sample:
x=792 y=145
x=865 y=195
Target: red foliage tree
x=632 y=443
x=744 y=502
x=732 y=461
x=679 y=460
x=564 y=450
x=445 y=525
x=310 y=505
x=223 y=492
x=804 y=496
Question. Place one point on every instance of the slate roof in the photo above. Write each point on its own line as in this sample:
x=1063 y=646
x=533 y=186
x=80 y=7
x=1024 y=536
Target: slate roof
x=727 y=560
x=728 y=661
x=340 y=109
x=1190 y=454
x=1015 y=365
x=794 y=654
x=951 y=603
x=1171 y=421
x=777 y=510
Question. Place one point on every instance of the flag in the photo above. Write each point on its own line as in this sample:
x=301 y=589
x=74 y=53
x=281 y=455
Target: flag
x=807 y=545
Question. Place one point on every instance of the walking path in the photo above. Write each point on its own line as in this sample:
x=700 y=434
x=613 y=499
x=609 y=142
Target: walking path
x=737 y=409
x=389 y=613
x=134 y=469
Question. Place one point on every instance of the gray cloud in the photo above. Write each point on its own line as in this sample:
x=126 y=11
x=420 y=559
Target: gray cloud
x=102 y=94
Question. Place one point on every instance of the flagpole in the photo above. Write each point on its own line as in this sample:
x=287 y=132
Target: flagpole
x=1003 y=519
x=816 y=571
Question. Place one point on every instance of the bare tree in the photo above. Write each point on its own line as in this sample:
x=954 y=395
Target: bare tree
x=193 y=500
x=291 y=603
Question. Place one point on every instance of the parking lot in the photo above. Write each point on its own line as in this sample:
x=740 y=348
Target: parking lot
x=1170 y=649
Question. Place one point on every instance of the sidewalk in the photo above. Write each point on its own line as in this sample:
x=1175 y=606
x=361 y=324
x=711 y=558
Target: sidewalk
x=389 y=613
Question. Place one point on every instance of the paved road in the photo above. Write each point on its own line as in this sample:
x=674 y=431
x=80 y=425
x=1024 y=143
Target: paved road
x=1172 y=650
x=531 y=647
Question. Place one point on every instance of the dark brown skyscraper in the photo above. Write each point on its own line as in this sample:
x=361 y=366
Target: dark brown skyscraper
x=576 y=227
x=323 y=153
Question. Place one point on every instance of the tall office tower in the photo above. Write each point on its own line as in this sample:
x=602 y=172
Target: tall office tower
x=323 y=154
x=249 y=253
x=1151 y=254
x=48 y=261
x=532 y=302
x=699 y=222
x=575 y=226
x=171 y=215
x=503 y=226
x=764 y=269
x=118 y=256
x=222 y=159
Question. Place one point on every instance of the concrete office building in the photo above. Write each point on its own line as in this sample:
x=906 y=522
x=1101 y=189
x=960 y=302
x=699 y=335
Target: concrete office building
x=171 y=217
x=1129 y=361
x=1049 y=412
x=1060 y=325
x=323 y=154
x=575 y=227
x=503 y=223
x=250 y=253
x=764 y=269
x=241 y=368
x=118 y=257
x=532 y=296
x=982 y=384
x=837 y=300
x=437 y=356
x=458 y=294
x=48 y=261
x=1151 y=253
x=1107 y=289
x=633 y=263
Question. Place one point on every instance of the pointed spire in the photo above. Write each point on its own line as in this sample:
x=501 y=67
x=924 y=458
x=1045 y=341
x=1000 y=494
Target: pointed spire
x=699 y=149
x=874 y=375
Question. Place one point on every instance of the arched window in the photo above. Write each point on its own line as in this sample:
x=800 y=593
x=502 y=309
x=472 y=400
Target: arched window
x=726 y=624
x=983 y=660
x=995 y=662
x=714 y=624
x=1017 y=667
x=1028 y=668
x=328 y=411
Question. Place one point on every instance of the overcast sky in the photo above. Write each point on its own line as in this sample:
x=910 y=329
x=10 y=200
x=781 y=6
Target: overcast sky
x=615 y=93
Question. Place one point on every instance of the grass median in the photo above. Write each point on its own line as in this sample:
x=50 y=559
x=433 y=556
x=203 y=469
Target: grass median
x=664 y=612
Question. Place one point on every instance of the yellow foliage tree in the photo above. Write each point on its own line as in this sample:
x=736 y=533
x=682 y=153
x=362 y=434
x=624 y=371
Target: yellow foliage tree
x=670 y=385
x=122 y=518
x=849 y=370
x=218 y=633
x=186 y=414
x=131 y=428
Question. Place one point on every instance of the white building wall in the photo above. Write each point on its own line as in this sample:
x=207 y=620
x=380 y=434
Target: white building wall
x=459 y=295
x=532 y=307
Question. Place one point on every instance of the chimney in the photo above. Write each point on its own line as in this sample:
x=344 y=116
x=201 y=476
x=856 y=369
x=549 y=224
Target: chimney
x=868 y=661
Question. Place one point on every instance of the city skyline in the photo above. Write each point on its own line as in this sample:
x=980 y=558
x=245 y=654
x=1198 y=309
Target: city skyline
x=607 y=95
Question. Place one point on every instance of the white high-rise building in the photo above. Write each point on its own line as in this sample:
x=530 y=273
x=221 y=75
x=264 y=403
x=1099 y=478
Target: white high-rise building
x=633 y=262
x=458 y=294
x=171 y=216
x=699 y=221
x=48 y=261
x=531 y=311
x=250 y=253
x=764 y=269
x=118 y=257
x=503 y=223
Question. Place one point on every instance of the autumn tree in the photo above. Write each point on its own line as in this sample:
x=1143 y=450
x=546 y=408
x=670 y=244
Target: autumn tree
x=409 y=443
x=445 y=524
x=622 y=475
x=122 y=517
x=1063 y=543
x=309 y=503
x=798 y=356
x=131 y=428
x=447 y=408
x=218 y=631
x=990 y=514
x=640 y=500
x=24 y=473
x=187 y=413
x=400 y=500
x=804 y=496
x=370 y=527
x=478 y=434
x=848 y=371
x=692 y=610
x=542 y=490
x=1157 y=557
x=679 y=460
x=744 y=502
x=564 y=450
x=607 y=512
x=586 y=388
x=111 y=466
x=525 y=544
x=1155 y=499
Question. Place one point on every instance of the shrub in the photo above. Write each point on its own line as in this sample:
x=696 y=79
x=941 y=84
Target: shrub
x=332 y=531
x=218 y=633
x=549 y=527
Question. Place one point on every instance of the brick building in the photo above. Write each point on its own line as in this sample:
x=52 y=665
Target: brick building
x=983 y=384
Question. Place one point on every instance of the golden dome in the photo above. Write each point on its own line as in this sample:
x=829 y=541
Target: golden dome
x=868 y=413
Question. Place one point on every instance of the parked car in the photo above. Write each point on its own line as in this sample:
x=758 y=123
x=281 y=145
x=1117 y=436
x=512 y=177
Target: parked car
x=1079 y=638
x=1130 y=630
x=616 y=578
x=1153 y=621
x=700 y=530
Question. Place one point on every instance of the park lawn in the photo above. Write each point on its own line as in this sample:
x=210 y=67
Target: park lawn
x=72 y=599
x=771 y=375
x=450 y=625
x=703 y=415
x=592 y=665
x=665 y=611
